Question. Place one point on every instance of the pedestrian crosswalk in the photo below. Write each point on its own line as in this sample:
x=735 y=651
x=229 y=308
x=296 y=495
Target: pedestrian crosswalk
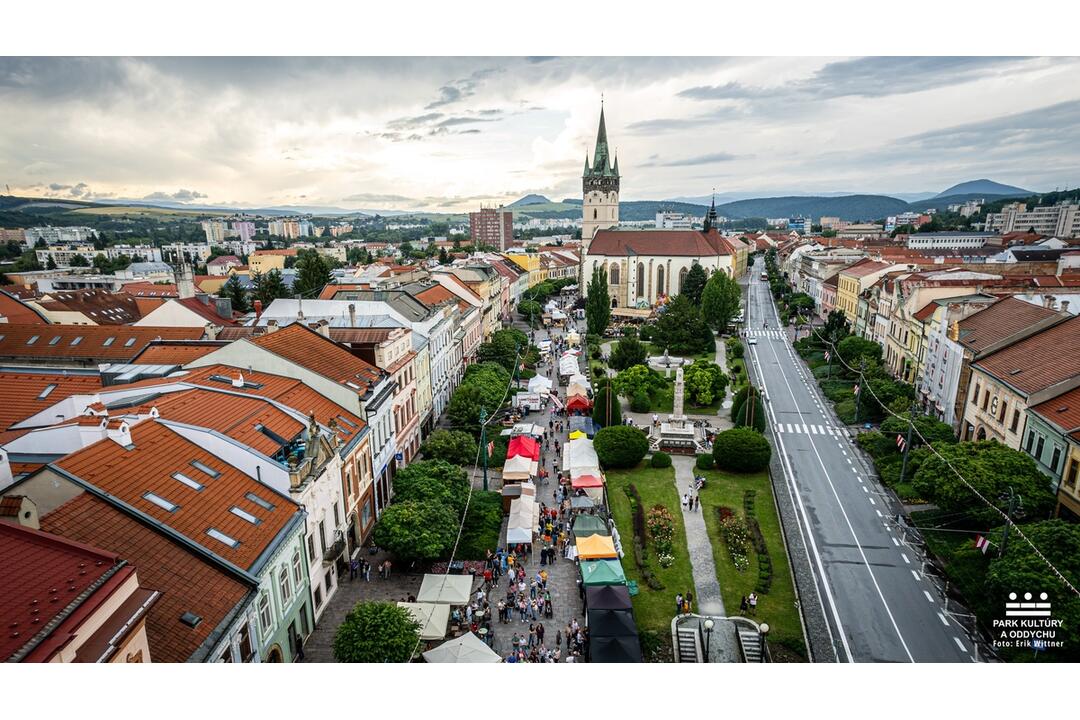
x=793 y=428
x=775 y=334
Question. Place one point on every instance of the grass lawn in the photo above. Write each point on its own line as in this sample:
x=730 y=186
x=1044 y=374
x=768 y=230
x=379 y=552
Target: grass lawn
x=653 y=609
x=778 y=606
x=652 y=350
x=663 y=400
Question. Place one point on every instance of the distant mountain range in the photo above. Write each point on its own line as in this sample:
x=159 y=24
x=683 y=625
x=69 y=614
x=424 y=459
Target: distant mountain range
x=983 y=187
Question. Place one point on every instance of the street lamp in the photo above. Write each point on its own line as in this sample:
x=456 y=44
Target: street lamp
x=708 y=636
x=764 y=630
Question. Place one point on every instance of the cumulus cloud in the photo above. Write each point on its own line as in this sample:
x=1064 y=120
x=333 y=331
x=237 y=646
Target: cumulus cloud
x=180 y=195
x=709 y=159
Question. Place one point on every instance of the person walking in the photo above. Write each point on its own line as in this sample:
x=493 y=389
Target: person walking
x=753 y=603
x=744 y=606
x=678 y=603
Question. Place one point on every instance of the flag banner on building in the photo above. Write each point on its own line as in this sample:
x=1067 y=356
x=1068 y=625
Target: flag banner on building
x=491 y=449
x=982 y=544
x=900 y=442
x=855 y=389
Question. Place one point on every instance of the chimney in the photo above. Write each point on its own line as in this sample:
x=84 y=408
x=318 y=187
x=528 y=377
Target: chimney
x=1064 y=306
x=211 y=331
x=26 y=515
x=6 y=478
x=119 y=433
x=271 y=326
x=323 y=328
x=185 y=281
x=223 y=307
x=352 y=315
x=258 y=308
x=203 y=298
x=238 y=381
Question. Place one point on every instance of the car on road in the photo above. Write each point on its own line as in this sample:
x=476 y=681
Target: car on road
x=751 y=341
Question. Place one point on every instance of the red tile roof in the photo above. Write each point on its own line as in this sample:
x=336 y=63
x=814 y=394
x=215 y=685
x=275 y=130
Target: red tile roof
x=22 y=395
x=437 y=295
x=98 y=343
x=320 y=355
x=207 y=311
x=153 y=290
x=865 y=267
x=157 y=452
x=691 y=243
x=100 y=306
x=18 y=312
x=1063 y=412
x=41 y=575
x=237 y=416
x=225 y=259
x=999 y=321
x=1039 y=361
x=278 y=251
x=187 y=582
x=176 y=352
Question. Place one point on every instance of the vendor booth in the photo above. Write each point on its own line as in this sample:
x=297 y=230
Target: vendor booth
x=578 y=402
x=625 y=649
x=465 y=649
x=432 y=617
x=596 y=547
x=523 y=445
x=583 y=424
x=611 y=622
x=445 y=589
x=582 y=502
x=585 y=525
x=608 y=597
x=519 y=468
x=539 y=384
x=602 y=572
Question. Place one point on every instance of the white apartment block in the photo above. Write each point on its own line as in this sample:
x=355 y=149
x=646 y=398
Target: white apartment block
x=56 y=235
x=1056 y=220
x=958 y=240
x=673 y=221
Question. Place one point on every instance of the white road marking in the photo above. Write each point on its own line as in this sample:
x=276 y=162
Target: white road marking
x=896 y=542
x=879 y=513
x=944 y=620
x=928 y=595
x=864 y=489
x=905 y=558
x=915 y=575
x=959 y=644
x=872 y=501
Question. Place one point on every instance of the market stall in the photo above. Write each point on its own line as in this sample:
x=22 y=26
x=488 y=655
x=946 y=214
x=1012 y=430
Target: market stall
x=539 y=384
x=578 y=402
x=585 y=525
x=602 y=572
x=445 y=589
x=625 y=649
x=517 y=469
x=608 y=597
x=583 y=424
x=611 y=622
x=596 y=547
x=433 y=618
x=465 y=649
x=524 y=446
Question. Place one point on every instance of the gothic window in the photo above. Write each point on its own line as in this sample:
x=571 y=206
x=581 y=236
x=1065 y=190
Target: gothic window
x=682 y=280
x=641 y=279
x=660 y=281
x=594 y=214
x=613 y=276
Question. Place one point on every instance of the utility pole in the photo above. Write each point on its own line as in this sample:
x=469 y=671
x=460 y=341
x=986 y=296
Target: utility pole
x=907 y=445
x=1014 y=503
x=483 y=444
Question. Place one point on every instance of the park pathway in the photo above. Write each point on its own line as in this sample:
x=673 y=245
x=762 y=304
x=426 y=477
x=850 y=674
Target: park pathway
x=707 y=598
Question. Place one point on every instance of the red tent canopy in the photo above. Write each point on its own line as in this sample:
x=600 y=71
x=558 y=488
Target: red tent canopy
x=523 y=445
x=586 y=481
x=578 y=402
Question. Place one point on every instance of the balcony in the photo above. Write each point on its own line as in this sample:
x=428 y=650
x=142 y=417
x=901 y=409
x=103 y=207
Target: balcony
x=333 y=552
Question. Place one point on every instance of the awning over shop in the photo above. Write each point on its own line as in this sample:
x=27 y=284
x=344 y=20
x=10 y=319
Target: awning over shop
x=433 y=618
x=465 y=649
x=520 y=468
x=582 y=502
x=577 y=434
x=578 y=402
x=539 y=384
x=607 y=597
x=587 y=481
x=596 y=547
x=602 y=572
x=447 y=589
x=585 y=525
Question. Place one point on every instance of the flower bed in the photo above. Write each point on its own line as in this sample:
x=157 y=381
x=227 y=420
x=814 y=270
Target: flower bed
x=661 y=528
x=737 y=538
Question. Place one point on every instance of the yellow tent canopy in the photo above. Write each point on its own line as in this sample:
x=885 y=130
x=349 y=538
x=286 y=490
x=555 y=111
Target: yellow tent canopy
x=594 y=547
x=577 y=434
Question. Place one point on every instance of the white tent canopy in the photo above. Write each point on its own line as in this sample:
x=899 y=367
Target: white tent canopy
x=520 y=467
x=539 y=384
x=579 y=454
x=445 y=589
x=568 y=366
x=465 y=649
x=432 y=617
x=578 y=379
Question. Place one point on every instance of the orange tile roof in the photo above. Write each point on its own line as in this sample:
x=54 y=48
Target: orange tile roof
x=98 y=343
x=153 y=290
x=22 y=395
x=320 y=355
x=237 y=416
x=187 y=582
x=100 y=306
x=1062 y=411
x=693 y=243
x=156 y=453
x=999 y=321
x=1038 y=361
x=277 y=251
x=207 y=311
x=175 y=352
x=18 y=312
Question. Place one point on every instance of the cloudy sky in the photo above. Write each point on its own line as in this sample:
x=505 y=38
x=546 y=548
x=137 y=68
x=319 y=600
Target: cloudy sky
x=449 y=133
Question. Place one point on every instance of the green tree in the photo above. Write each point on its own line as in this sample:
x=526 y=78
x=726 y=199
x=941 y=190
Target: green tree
x=637 y=380
x=720 y=300
x=464 y=408
x=530 y=310
x=740 y=398
x=854 y=349
x=234 y=290
x=598 y=302
x=935 y=431
x=433 y=481
x=78 y=260
x=681 y=328
x=628 y=352
x=453 y=446
x=620 y=446
x=376 y=632
x=507 y=347
x=312 y=274
x=606 y=410
x=51 y=264
x=705 y=383
x=751 y=414
x=416 y=531
x=694 y=284
x=990 y=468
x=492 y=379
x=741 y=450
x=268 y=287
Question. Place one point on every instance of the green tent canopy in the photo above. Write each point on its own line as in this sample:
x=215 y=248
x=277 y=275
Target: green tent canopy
x=585 y=525
x=602 y=572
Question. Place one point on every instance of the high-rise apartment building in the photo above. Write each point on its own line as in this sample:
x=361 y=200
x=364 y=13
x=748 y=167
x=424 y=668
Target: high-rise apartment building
x=492 y=226
x=1057 y=220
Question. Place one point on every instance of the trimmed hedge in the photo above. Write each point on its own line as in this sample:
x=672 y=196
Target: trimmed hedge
x=620 y=446
x=741 y=449
x=660 y=460
x=705 y=462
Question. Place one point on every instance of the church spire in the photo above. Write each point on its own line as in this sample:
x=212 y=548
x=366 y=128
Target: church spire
x=601 y=159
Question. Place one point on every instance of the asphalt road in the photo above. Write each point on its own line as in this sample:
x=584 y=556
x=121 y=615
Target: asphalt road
x=878 y=605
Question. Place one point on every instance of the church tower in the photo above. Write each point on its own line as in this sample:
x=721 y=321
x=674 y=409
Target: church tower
x=600 y=189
